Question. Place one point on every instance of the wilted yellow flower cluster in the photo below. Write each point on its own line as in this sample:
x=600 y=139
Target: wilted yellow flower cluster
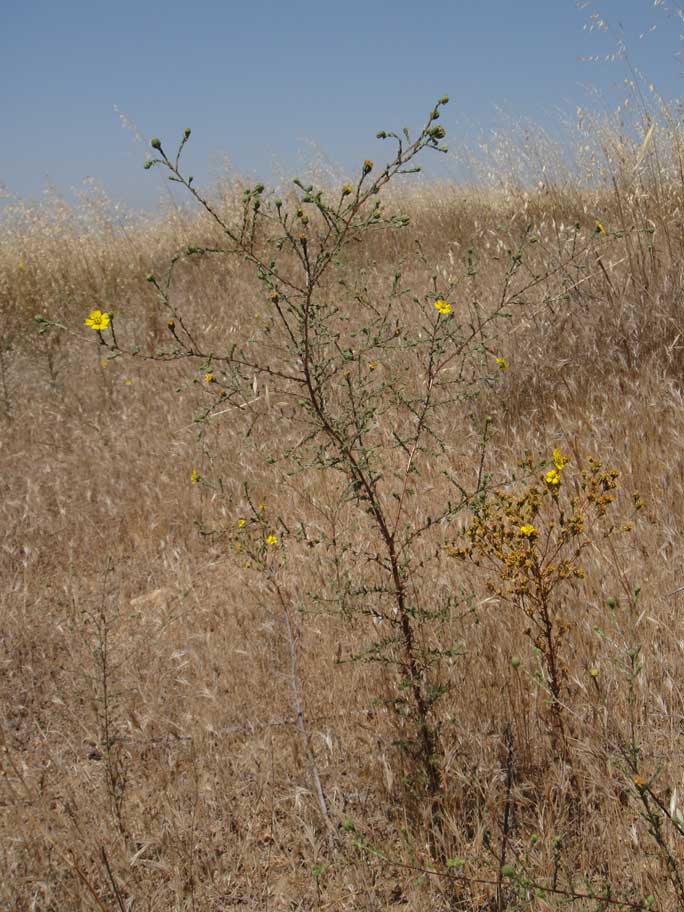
x=533 y=540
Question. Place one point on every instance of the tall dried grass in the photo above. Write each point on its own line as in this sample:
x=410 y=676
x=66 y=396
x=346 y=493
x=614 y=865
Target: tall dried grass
x=150 y=754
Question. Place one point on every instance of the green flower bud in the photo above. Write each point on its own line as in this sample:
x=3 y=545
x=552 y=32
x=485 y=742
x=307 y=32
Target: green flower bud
x=444 y=99
x=155 y=142
x=186 y=132
x=437 y=132
x=148 y=164
x=259 y=188
x=516 y=661
x=381 y=135
x=611 y=601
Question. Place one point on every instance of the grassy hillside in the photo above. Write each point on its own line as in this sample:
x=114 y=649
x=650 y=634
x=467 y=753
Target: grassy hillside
x=194 y=718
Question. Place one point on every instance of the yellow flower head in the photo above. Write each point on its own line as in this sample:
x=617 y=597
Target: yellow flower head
x=528 y=531
x=443 y=306
x=552 y=478
x=208 y=377
x=194 y=476
x=599 y=228
x=347 y=189
x=373 y=365
x=559 y=460
x=241 y=523
x=97 y=320
x=639 y=781
x=503 y=364
x=271 y=539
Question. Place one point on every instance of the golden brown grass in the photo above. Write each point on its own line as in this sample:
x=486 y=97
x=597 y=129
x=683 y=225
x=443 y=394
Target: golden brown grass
x=150 y=756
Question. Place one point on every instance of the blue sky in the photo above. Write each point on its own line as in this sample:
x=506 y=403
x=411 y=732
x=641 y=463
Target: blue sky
x=267 y=86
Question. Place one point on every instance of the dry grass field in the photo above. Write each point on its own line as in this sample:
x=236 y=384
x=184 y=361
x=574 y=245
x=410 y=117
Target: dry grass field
x=171 y=698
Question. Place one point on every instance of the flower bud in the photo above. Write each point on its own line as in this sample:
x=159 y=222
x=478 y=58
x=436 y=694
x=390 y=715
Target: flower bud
x=148 y=164
x=444 y=99
x=186 y=133
x=367 y=166
x=155 y=142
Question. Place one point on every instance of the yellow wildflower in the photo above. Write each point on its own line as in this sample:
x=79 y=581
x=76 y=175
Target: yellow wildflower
x=97 y=320
x=128 y=382
x=347 y=189
x=503 y=364
x=559 y=460
x=528 y=531
x=271 y=539
x=639 y=781
x=373 y=365
x=241 y=523
x=194 y=476
x=209 y=377
x=552 y=478
x=443 y=306
x=599 y=228
x=262 y=506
